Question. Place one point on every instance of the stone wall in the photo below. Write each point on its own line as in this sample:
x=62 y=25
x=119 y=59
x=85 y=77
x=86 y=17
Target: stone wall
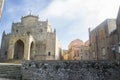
x=4 y=46
x=70 y=70
x=99 y=40
x=10 y=71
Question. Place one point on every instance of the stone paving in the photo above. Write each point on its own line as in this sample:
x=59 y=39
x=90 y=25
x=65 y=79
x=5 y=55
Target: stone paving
x=70 y=70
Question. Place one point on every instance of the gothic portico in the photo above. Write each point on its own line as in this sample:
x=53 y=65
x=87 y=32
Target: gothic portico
x=20 y=47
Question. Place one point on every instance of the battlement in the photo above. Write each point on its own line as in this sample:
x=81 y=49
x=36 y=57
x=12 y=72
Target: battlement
x=29 y=16
x=17 y=24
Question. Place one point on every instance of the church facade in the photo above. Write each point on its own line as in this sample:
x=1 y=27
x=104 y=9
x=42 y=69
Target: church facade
x=31 y=39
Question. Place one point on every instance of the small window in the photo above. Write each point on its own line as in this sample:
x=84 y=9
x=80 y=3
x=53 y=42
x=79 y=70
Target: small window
x=5 y=53
x=41 y=30
x=49 y=54
x=40 y=23
x=28 y=32
x=16 y=30
x=78 y=54
x=81 y=58
x=81 y=50
x=93 y=55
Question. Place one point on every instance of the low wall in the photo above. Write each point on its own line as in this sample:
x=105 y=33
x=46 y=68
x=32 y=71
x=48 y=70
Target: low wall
x=10 y=71
x=70 y=70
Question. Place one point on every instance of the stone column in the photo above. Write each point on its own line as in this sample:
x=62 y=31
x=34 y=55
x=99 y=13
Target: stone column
x=27 y=50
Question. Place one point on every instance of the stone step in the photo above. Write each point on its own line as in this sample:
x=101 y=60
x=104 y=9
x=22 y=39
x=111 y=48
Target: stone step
x=13 y=61
x=10 y=71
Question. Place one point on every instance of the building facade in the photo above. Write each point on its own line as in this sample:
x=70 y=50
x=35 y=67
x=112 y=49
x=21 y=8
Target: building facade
x=74 y=49
x=113 y=43
x=77 y=50
x=31 y=39
x=65 y=55
x=118 y=29
x=85 y=51
x=100 y=45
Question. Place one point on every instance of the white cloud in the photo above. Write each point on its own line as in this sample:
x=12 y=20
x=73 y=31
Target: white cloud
x=82 y=13
x=93 y=11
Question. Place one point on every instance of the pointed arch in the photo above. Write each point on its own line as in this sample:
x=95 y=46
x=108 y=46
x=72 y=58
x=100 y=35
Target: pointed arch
x=19 y=49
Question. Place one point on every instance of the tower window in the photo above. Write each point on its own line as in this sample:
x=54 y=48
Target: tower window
x=5 y=53
x=40 y=23
x=49 y=53
x=28 y=32
x=16 y=30
x=41 y=30
x=81 y=58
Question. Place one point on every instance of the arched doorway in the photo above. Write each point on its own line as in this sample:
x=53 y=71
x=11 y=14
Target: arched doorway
x=19 y=50
x=31 y=51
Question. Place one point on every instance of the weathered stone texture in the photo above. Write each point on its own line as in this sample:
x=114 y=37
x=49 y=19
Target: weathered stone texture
x=10 y=71
x=70 y=70
x=100 y=40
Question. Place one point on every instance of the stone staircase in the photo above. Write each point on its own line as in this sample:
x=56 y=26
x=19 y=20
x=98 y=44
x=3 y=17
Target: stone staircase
x=13 y=61
x=10 y=71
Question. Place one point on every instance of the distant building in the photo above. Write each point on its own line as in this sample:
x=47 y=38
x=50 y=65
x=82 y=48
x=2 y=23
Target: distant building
x=65 y=55
x=77 y=50
x=74 y=49
x=85 y=51
x=1 y=7
x=31 y=39
x=100 y=40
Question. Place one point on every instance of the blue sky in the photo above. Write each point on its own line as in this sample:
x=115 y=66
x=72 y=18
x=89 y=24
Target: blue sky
x=70 y=18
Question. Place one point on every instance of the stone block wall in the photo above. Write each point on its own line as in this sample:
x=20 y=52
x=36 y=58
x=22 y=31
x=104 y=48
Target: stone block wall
x=70 y=70
x=10 y=71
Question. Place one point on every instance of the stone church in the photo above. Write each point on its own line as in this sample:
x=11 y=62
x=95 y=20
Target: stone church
x=30 y=39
